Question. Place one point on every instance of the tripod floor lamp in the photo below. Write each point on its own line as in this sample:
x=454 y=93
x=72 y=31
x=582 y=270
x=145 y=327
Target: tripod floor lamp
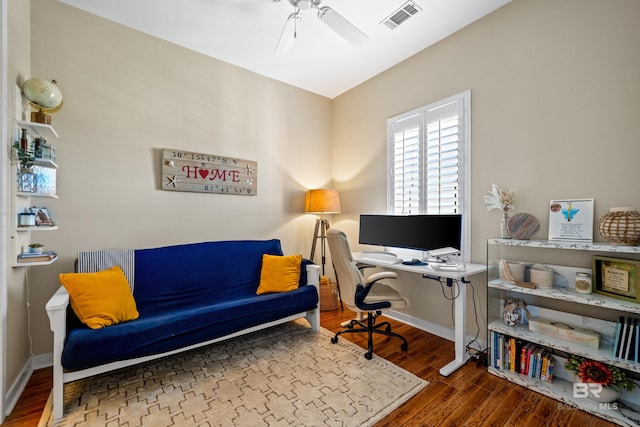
x=321 y=202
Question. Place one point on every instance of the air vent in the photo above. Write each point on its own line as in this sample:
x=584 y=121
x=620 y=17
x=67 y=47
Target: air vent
x=401 y=15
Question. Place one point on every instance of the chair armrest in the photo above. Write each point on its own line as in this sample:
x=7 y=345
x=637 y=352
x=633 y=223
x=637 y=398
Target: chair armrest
x=361 y=295
x=57 y=309
x=313 y=275
x=57 y=312
x=381 y=275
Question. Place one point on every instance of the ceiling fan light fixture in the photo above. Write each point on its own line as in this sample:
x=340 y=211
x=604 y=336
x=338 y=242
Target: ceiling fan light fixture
x=340 y=25
x=289 y=34
x=303 y=4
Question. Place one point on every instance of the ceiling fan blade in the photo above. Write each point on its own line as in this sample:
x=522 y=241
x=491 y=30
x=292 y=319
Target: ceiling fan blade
x=342 y=26
x=289 y=34
x=243 y=1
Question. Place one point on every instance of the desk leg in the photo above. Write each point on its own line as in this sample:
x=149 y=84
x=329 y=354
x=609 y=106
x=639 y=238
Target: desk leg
x=460 y=332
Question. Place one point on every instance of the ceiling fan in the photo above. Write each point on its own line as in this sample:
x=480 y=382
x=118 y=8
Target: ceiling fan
x=330 y=17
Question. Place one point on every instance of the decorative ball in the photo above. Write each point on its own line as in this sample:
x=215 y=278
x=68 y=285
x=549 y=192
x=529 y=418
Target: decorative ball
x=523 y=225
x=621 y=226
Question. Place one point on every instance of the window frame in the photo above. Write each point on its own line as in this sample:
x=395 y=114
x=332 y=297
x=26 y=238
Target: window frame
x=464 y=160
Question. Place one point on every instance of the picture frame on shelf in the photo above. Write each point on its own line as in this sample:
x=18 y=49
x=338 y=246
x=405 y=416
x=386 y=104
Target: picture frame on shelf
x=617 y=278
x=43 y=217
x=571 y=220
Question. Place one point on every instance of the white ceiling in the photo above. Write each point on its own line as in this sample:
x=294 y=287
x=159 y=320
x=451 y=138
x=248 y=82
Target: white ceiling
x=245 y=33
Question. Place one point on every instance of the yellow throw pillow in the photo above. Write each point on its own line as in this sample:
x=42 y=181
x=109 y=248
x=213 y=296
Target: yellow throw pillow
x=279 y=273
x=100 y=299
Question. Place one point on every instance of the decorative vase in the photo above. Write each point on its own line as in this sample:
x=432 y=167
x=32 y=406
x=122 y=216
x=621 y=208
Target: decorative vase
x=621 y=226
x=26 y=181
x=606 y=395
x=37 y=250
x=504 y=220
x=514 y=312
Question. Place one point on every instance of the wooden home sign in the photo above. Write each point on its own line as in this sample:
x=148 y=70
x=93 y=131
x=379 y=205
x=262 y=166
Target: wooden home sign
x=208 y=173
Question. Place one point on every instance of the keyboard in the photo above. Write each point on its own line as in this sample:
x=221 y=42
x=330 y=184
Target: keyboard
x=384 y=260
x=446 y=267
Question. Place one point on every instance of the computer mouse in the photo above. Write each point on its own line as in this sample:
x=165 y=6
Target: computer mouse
x=414 y=261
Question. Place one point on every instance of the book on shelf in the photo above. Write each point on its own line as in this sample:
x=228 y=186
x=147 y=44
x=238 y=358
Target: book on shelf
x=616 y=342
x=533 y=363
x=550 y=369
x=637 y=341
x=33 y=257
x=522 y=357
x=631 y=343
x=627 y=340
x=495 y=352
x=622 y=346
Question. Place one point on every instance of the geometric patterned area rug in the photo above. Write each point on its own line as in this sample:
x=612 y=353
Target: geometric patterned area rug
x=286 y=375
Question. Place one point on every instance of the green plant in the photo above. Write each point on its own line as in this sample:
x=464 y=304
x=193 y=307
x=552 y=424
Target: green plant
x=36 y=245
x=26 y=158
x=591 y=371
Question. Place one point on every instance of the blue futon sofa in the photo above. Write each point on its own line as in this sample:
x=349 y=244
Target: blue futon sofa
x=186 y=296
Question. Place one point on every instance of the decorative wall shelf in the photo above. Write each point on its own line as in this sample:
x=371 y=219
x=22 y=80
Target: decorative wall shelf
x=37 y=228
x=33 y=264
x=22 y=201
x=39 y=129
x=23 y=194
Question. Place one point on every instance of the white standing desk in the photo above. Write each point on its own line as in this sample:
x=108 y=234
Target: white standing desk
x=460 y=306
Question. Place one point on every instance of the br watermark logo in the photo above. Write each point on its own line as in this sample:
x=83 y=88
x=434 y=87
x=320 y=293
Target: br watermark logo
x=587 y=390
x=592 y=391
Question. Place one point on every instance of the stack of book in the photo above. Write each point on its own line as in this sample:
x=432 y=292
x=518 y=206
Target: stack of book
x=522 y=357
x=33 y=257
x=627 y=340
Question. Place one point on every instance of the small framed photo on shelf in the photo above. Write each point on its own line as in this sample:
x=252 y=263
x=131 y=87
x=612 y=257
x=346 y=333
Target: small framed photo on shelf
x=617 y=278
x=42 y=217
x=571 y=220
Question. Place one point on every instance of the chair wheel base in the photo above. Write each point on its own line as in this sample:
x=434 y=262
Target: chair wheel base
x=404 y=346
x=368 y=355
x=334 y=340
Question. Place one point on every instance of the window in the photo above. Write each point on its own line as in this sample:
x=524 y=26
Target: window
x=429 y=160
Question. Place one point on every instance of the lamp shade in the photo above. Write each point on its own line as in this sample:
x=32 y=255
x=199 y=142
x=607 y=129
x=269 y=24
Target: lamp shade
x=322 y=201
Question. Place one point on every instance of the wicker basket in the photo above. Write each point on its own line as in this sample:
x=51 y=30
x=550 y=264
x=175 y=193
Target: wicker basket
x=621 y=226
x=328 y=295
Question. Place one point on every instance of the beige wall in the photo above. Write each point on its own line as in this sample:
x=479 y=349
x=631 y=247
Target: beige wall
x=554 y=88
x=554 y=100
x=128 y=96
x=18 y=69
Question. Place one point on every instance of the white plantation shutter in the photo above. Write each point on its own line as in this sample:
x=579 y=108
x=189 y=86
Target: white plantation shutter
x=429 y=160
x=406 y=169
x=441 y=159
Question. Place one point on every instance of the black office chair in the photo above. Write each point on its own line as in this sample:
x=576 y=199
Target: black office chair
x=363 y=296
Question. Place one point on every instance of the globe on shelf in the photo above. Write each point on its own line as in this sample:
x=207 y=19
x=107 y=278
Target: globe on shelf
x=44 y=96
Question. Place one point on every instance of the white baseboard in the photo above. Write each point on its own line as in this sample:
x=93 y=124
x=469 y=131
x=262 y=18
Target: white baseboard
x=15 y=391
x=42 y=361
x=432 y=328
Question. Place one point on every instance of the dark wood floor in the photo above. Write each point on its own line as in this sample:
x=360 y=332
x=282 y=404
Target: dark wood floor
x=468 y=397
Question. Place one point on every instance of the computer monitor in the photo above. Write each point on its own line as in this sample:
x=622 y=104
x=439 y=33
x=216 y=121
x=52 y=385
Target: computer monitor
x=422 y=232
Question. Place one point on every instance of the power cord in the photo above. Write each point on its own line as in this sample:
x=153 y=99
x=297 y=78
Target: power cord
x=26 y=279
x=478 y=354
